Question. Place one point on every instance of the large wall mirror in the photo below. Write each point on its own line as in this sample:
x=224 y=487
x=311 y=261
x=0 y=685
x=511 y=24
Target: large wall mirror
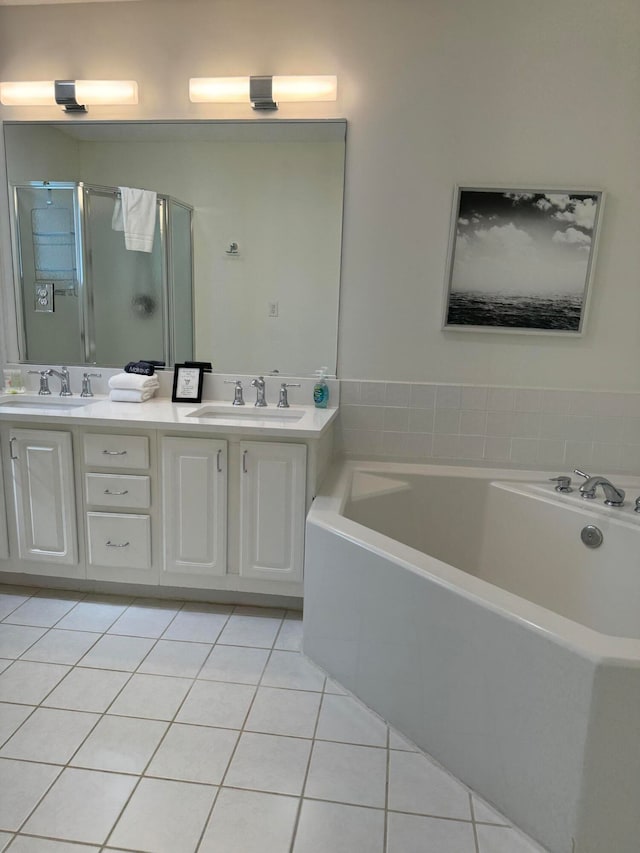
x=245 y=267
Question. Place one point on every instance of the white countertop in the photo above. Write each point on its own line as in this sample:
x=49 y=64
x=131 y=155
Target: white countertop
x=161 y=413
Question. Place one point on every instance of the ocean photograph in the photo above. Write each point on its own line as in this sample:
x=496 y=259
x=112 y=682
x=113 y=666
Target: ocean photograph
x=521 y=259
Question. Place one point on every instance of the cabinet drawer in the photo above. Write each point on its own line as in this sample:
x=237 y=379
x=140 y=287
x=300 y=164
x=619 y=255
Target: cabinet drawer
x=119 y=541
x=118 y=490
x=116 y=451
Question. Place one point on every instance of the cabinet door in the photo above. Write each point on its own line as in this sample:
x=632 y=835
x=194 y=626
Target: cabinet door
x=272 y=510
x=44 y=495
x=194 y=510
x=4 y=541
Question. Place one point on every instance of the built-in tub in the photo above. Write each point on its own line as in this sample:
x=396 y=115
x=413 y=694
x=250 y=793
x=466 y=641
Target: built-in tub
x=463 y=607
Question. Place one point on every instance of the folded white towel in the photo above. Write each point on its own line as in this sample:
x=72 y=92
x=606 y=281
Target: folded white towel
x=119 y=395
x=135 y=214
x=134 y=382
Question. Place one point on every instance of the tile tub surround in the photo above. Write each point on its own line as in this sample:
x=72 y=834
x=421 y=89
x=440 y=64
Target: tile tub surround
x=484 y=425
x=285 y=761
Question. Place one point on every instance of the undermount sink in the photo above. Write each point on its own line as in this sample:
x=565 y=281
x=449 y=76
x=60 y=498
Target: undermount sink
x=44 y=402
x=247 y=413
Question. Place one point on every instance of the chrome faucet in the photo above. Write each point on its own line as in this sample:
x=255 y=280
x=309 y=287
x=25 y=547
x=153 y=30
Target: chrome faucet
x=44 y=381
x=87 y=391
x=259 y=385
x=63 y=376
x=613 y=496
x=238 y=399
x=283 y=401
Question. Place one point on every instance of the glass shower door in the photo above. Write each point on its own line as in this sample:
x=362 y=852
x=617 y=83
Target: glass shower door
x=126 y=290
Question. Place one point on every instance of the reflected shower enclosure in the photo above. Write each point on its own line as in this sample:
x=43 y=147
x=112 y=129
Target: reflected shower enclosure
x=82 y=297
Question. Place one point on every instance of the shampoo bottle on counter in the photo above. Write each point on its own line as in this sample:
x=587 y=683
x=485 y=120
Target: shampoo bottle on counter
x=321 y=390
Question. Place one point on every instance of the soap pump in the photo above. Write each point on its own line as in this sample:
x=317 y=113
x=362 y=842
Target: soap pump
x=321 y=389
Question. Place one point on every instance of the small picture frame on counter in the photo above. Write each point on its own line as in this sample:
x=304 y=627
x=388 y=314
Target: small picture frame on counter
x=187 y=384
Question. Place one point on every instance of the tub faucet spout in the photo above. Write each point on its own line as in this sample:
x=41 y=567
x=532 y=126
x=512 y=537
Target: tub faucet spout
x=613 y=496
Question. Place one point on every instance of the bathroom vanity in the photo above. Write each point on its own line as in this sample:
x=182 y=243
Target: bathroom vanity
x=209 y=497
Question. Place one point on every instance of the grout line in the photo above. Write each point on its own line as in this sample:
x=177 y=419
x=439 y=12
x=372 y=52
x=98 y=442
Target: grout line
x=385 y=837
x=473 y=824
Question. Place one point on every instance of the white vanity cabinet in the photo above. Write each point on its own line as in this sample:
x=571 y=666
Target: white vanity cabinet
x=44 y=508
x=272 y=510
x=4 y=536
x=194 y=511
x=117 y=497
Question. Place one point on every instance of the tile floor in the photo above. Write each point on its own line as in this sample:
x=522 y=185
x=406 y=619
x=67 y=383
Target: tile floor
x=171 y=727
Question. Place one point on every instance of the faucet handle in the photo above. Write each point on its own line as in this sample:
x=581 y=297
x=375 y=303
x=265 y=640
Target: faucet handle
x=86 y=384
x=44 y=380
x=564 y=483
x=283 y=401
x=238 y=399
x=582 y=474
x=637 y=506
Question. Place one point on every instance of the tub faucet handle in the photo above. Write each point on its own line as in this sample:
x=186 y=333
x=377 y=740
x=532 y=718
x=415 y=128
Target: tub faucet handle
x=589 y=493
x=564 y=483
x=637 y=506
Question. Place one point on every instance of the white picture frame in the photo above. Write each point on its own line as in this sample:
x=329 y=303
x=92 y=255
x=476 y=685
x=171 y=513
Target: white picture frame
x=521 y=259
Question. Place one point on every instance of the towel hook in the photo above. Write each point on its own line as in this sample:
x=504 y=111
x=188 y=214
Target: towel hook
x=233 y=249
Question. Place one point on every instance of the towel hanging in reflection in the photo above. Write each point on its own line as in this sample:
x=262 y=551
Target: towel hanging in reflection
x=134 y=213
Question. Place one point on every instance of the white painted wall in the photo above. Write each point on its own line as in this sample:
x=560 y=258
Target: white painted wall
x=435 y=92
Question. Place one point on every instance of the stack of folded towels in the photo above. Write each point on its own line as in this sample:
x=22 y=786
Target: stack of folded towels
x=132 y=388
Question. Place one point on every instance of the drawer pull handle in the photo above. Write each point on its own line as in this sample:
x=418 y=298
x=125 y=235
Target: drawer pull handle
x=115 y=452
x=109 y=492
x=11 y=440
x=111 y=544
x=218 y=466
x=244 y=461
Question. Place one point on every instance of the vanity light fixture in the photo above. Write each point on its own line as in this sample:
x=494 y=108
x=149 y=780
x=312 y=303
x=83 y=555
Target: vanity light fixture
x=70 y=94
x=264 y=93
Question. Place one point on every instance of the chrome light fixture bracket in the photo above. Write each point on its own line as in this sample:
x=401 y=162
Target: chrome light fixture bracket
x=261 y=93
x=65 y=95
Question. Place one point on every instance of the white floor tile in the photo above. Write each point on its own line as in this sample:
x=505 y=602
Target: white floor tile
x=235 y=663
x=349 y=774
x=164 y=817
x=502 y=839
x=290 y=635
x=284 y=712
x=483 y=813
x=334 y=688
x=87 y=690
x=10 y=601
x=249 y=822
x=325 y=827
x=28 y=682
x=194 y=754
x=92 y=616
x=29 y=844
x=22 y=784
x=417 y=785
x=269 y=763
x=397 y=741
x=144 y=620
x=44 y=610
x=12 y=716
x=82 y=805
x=213 y=703
x=171 y=657
x=292 y=670
x=245 y=629
x=5 y=838
x=61 y=646
x=16 y=639
x=344 y=719
x=122 y=744
x=4 y=663
x=198 y=623
x=50 y=735
x=113 y=652
x=413 y=834
x=156 y=697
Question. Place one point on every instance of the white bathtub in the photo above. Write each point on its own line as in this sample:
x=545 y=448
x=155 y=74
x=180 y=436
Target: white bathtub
x=463 y=607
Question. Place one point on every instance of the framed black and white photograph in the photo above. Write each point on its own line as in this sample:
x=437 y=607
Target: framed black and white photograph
x=521 y=259
x=187 y=384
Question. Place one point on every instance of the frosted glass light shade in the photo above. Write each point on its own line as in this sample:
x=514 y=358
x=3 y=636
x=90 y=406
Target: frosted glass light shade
x=41 y=93
x=236 y=89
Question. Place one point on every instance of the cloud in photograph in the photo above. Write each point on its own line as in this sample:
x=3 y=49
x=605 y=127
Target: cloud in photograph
x=517 y=197
x=581 y=212
x=559 y=200
x=572 y=236
x=463 y=221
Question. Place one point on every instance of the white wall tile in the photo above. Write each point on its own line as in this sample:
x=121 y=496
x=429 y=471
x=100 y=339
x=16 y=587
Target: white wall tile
x=448 y=397
x=473 y=398
x=501 y=399
x=423 y=396
x=397 y=394
x=373 y=393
